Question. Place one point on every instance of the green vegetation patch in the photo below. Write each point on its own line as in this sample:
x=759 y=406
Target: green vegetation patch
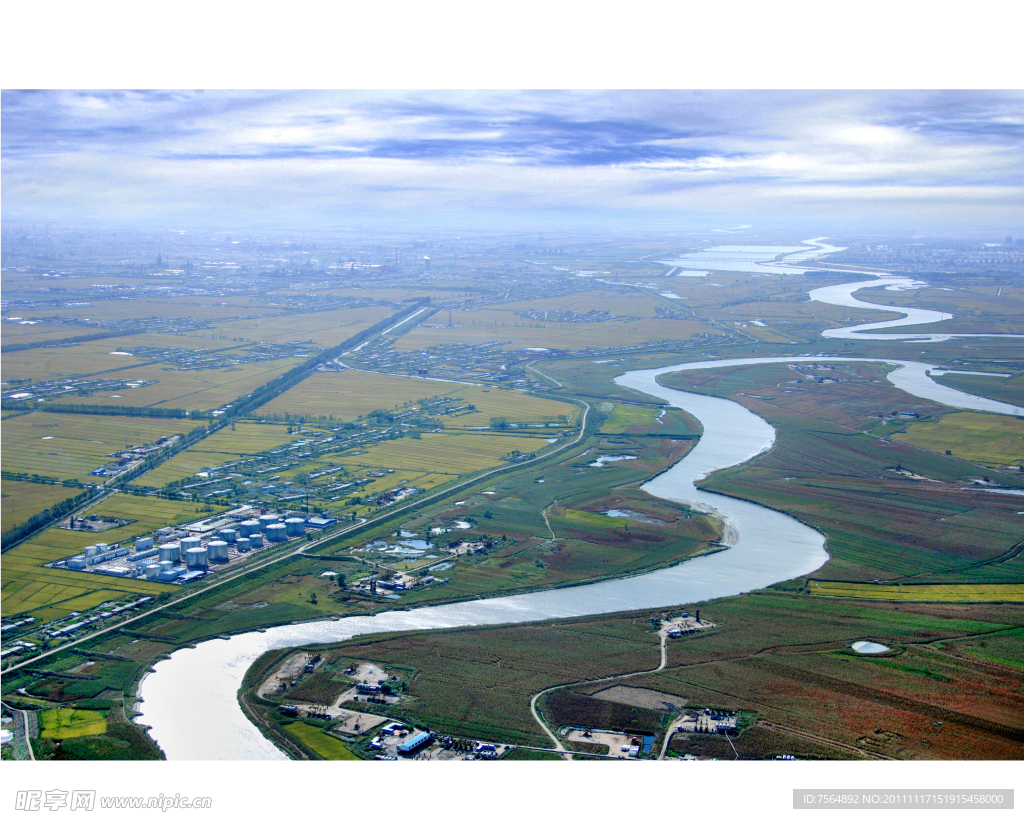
x=993 y=440
x=323 y=745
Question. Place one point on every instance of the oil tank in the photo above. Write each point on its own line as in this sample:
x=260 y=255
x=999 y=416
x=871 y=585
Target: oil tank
x=171 y=552
x=228 y=535
x=103 y=547
x=143 y=543
x=196 y=558
x=266 y=521
x=294 y=527
x=243 y=545
x=276 y=533
x=218 y=550
x=152 y=571
x=191 y=542
x=91 y=551
x=256 y=540
x=248 y=527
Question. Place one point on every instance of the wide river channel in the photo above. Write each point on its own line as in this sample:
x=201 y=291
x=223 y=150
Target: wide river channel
x=189 y=699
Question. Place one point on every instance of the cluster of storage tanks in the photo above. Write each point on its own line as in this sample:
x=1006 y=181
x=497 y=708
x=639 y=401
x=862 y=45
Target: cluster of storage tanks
x=250 y=534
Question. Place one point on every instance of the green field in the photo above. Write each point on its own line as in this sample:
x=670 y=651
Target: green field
x=71 y=446
x=65 y=723
x=624 y=416
x=993 y=440
x=325 y=746
x=447 y=453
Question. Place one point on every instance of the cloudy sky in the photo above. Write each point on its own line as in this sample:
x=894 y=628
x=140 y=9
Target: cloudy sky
x=905 y=159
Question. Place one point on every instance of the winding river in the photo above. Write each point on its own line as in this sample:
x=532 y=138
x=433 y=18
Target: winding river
x=189 y=699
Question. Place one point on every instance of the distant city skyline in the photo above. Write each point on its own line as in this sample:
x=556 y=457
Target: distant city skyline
x=909 y=160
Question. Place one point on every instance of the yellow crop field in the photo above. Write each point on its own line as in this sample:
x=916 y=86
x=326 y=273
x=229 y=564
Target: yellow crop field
x=65 y=723
x=326 y=746
x=21 y=500
x=352 y=393
x=326 y=328
x=91 y=357
x=184 y=465
x=992 y=440
x=247 y=439
x=71 y=446
x=190 y=389
x=932 y=593
x=451 y=454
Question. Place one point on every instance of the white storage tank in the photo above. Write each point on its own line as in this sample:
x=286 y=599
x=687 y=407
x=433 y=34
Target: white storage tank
x=295 y=527
x=171 y=552
x=190 y=543
x=266 y=521
x=143 y=543
x=243 y=545
x=256 y=540
x=91 y=551
x=103 y=547
x=276 y=533
x=249 y=527
x=152 y=571
x=229 y=535
x=218 y=550
x=196 y=558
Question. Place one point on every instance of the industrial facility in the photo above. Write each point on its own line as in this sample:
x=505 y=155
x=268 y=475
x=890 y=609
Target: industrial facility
x=185 y=553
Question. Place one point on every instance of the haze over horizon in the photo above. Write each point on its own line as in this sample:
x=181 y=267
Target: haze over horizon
x=907 y=160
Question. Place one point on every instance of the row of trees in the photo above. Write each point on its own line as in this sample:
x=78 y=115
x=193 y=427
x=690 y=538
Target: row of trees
x=102 y=409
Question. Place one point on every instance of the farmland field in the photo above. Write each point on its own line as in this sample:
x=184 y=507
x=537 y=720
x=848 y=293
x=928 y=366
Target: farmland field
x=325 y=746
x=64 y=723
x=993 y=440
x=22 y=500
x=452 y=454
x=326 y=328
x=190 y=389
x=498 y=325
x=352 y=393
x=89 y=357
x=922 y=593
x=71 y=446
